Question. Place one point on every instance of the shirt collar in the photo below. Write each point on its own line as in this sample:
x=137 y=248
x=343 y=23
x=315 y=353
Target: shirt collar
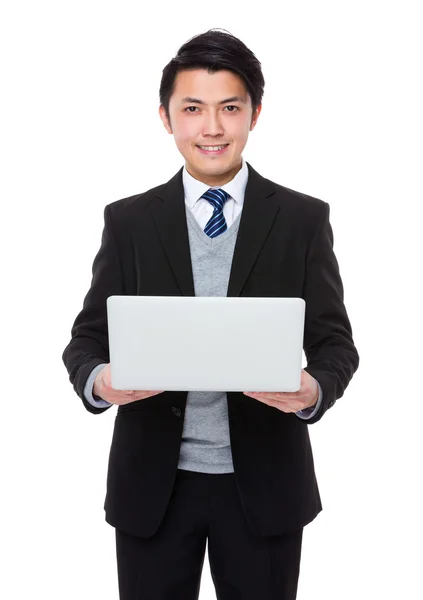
x=194 y=189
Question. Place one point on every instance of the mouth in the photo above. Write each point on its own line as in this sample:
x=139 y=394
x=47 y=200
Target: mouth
x=213 y=150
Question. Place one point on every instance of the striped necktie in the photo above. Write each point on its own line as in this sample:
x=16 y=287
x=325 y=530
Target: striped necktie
x=217 y=223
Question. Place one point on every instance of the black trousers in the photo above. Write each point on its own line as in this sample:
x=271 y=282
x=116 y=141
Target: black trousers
x=206 y=507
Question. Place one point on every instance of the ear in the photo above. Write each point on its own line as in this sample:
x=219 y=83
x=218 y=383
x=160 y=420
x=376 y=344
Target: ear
x=164 y=118
x=255 y=117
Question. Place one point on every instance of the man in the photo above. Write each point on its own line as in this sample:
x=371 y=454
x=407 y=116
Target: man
x=234 y=469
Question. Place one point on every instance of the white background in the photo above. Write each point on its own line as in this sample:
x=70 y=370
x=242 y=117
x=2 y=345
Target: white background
x=341 y=121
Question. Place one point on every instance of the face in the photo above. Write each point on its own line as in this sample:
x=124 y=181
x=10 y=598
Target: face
x=210 y=109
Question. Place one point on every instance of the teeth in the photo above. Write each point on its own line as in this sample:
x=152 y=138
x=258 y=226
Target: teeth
x=213 y=147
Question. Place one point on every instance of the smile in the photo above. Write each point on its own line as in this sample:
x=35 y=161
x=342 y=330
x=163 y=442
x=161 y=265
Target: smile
x=215 y=150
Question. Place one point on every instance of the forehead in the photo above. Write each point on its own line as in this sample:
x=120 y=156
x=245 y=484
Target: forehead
x=209 y=87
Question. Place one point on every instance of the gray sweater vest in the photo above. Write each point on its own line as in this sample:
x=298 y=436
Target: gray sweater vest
x=205 y=445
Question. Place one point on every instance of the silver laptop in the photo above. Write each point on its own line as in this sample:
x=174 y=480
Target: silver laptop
x=187 y=343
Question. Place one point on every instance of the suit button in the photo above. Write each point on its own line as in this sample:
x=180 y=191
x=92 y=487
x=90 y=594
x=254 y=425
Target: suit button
x=176 y=411
x=331 y=403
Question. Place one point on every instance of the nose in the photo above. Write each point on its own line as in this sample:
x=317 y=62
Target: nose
x=212 y=125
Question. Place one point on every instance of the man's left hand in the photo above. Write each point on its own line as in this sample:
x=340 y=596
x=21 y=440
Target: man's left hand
x=288 y=402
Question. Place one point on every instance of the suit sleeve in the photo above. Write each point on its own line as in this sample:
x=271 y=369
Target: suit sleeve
x=308 y=413
x=332 y=357
x=89 y=345
x=88 y=388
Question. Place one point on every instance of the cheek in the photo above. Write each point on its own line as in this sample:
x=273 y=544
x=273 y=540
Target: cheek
x=238 y=132
x=246 y=130
x=186 y=133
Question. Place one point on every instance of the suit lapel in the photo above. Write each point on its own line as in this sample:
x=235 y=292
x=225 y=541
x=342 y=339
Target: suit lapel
x=258 y=214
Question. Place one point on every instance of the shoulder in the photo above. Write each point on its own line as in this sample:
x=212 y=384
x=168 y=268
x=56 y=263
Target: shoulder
x=126 y=206
x=300 y=200
x=303 y=208
x=288 y=198
x=302 y=212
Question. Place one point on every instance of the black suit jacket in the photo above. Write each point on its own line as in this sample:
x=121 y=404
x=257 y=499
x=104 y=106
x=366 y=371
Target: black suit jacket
x=284 y=248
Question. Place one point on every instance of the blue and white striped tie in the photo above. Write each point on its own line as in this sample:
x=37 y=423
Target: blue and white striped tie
x=217 y=223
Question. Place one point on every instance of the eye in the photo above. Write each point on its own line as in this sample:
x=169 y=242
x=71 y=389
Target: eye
x=187 y=109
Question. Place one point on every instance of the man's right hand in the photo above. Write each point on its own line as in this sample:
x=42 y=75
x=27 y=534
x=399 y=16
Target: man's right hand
x=103 y=388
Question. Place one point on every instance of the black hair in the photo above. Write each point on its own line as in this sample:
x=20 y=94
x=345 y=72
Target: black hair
x=214 y=50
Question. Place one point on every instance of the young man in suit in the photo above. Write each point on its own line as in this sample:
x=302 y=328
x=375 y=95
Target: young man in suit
x=233 y=469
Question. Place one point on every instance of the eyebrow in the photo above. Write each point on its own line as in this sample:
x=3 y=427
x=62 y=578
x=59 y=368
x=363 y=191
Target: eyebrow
x=190 y=100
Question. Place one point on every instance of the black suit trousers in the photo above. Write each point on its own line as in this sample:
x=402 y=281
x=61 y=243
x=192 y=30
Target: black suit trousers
x=206 y=508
